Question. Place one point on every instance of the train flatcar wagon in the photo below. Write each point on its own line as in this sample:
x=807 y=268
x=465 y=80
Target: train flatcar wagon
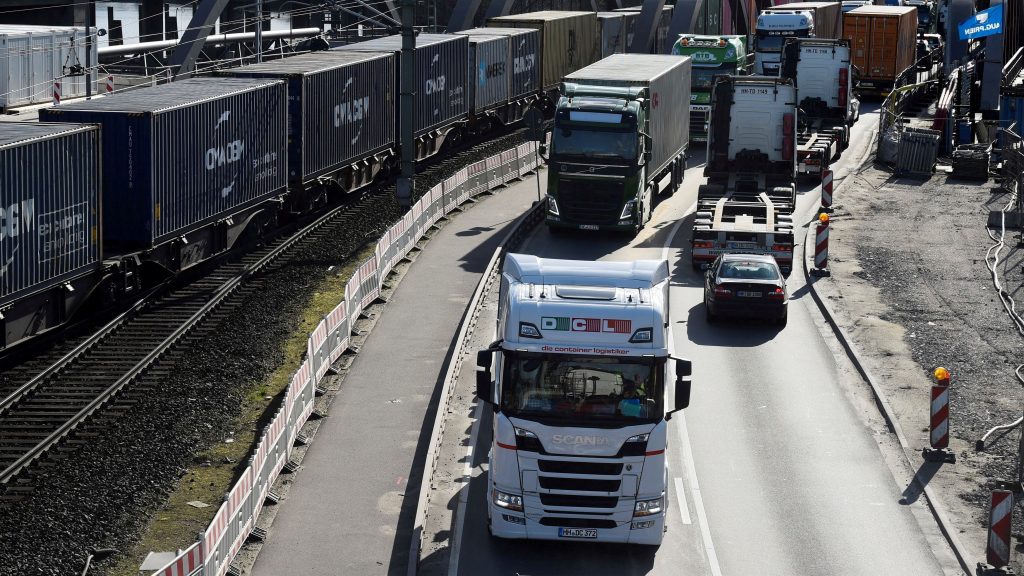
x=186 y=165
x=442 y=97
x=50 y=216
x=341 y=127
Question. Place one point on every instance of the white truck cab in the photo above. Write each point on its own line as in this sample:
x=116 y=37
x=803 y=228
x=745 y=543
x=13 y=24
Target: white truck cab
x=583 y=386
x=773 y=28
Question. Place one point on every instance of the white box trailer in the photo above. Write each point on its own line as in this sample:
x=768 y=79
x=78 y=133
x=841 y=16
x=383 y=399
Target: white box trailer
x=584 y=385
x=32 y=57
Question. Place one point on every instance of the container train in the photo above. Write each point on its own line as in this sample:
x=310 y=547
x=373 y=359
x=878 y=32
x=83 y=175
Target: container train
x=105 y=198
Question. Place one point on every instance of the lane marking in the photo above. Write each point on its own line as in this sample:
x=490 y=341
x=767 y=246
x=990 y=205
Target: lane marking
x=684 y=437
x=684 y=511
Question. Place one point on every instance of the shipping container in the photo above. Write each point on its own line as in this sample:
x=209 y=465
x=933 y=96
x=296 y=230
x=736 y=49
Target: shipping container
x=340 y=108
x=524 y=46
x=612 y=33
x=661 y=32
x=488 y=72
x=180 y=156
x=569 y=41
x=50 y=202
x=883 y=40
x=667 y=79
x=828 y=17
x=442 y=65
x=629 y=20
x=1013 y=22
x=32 y=57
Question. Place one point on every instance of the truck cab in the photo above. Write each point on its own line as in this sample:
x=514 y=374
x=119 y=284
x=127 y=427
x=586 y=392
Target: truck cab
x=712 y=56
x=773 y=27
x=582 y=382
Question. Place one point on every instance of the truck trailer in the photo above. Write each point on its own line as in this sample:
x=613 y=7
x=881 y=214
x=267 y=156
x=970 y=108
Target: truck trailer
x=620 y=137
x=823 y=75
x=584 y=383
x=747 y=205
x=884 y=44
x=794 y=20
x=711 y=56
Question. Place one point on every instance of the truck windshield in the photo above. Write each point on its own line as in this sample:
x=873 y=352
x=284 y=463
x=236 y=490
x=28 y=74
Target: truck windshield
x=766 y=42
x=591 y=143
x=583 y=389
x=701 y=77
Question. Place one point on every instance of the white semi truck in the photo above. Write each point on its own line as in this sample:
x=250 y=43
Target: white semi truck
x=583 y=385
x=794 y=20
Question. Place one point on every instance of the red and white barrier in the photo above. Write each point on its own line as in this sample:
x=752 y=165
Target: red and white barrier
x=821 y=247
x=997 y=551
x=826 y=190
x=56 y=92
x=110 y=83
x=939 y=429
x=185 y=564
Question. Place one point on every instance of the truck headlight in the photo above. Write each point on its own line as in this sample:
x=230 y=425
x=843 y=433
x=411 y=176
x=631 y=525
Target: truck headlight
x=648 y=507
x=510 y=501
x=627 y=210
x=553 y=205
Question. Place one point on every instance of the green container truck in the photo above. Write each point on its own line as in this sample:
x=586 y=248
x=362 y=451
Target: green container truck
x=711 y=56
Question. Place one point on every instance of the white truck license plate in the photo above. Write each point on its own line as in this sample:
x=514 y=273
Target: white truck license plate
x=577 y=532
x=589 y=227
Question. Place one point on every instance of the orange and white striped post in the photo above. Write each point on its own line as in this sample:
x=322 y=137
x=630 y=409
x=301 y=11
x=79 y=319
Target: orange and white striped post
x=821 y=247
x=997 y=548
x=938 y=428
x=56 y=91
x=110 y=83
x=826 y=190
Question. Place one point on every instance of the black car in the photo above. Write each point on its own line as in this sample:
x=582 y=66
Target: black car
x=746 y=285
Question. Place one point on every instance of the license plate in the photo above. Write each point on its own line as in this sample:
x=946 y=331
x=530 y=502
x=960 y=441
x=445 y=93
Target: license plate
x=741 y=245
x=589 y=227
x=744 y=294
x=577 y=532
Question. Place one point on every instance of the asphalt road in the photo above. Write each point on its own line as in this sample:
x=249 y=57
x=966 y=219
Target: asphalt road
x=772 y=468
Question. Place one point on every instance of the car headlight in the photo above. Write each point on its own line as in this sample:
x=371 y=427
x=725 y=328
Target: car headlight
x=627 y=210
x=552 y=205
x=509 y=501
x=648 y=507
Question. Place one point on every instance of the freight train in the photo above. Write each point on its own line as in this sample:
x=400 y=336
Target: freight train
x=106 y=198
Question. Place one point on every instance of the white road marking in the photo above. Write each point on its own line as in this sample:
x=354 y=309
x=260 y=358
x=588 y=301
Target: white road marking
x=467 y=474
x=684 y=437
x=684 y=511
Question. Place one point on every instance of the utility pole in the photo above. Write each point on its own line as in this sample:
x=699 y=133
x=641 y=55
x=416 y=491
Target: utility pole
x=259 y=30
x=406 y=184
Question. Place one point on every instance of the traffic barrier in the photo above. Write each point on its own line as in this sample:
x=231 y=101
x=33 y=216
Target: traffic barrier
x=234 y=521
x=826 y=190
x=110 y=83
x=997 y=551
x=821 y=247
x=56 y=92
x=938 y=427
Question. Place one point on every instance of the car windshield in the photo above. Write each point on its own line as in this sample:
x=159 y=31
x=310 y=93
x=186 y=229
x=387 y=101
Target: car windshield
x=702 y=77
x=748 y=270
x=583 y=389
x=589 y=143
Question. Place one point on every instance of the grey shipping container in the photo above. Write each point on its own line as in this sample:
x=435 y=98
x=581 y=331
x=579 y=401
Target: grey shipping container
x=629 y=20
x=569 y=41
x=524 y=48
x=828 y=17
x=488 y=72
x=32 y=57
x=660 y=32
x=182 y=155
x=340 y=108
x=441 y=68
x=613 y=37
x=50 y=205
x=667 y=79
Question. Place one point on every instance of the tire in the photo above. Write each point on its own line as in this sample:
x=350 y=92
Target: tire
x=709 y=315
x=782 y=320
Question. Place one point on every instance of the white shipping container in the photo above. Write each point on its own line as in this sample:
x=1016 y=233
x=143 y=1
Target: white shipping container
x=31 y=57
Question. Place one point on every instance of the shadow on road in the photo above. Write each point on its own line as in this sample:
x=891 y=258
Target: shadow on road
x=728 y=332
x=921 y=479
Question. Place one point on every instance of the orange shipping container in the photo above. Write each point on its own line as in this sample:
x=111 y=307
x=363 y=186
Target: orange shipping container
x=883 y=42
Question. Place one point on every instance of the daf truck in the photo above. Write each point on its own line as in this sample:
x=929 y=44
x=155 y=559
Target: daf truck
x=823 y=75
x=711 y=56
x=747 y=204
x=582 y=382
x=794 y=20
x=620 y=137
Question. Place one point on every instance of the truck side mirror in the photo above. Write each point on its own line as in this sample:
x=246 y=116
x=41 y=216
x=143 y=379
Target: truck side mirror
x=648 y=156
x=684 y=368
x=484 y=386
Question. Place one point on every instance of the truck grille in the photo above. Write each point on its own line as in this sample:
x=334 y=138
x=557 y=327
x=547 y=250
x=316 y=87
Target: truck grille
x=589 y=201
x=579 y=484
x=572 y=467
x=577 y=522
x=698 y=121
x=572 y=501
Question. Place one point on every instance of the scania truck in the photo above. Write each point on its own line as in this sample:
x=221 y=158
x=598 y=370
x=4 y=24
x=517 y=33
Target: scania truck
x=711 y=56
x=620 y=137
x=582 y=382
x=747 y=205
x=794 y=20
x=823 y=75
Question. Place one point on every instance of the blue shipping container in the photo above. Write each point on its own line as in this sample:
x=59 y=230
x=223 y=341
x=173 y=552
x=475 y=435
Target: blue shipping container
x=49 y=205
x=179 y=156
x=340 y=107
